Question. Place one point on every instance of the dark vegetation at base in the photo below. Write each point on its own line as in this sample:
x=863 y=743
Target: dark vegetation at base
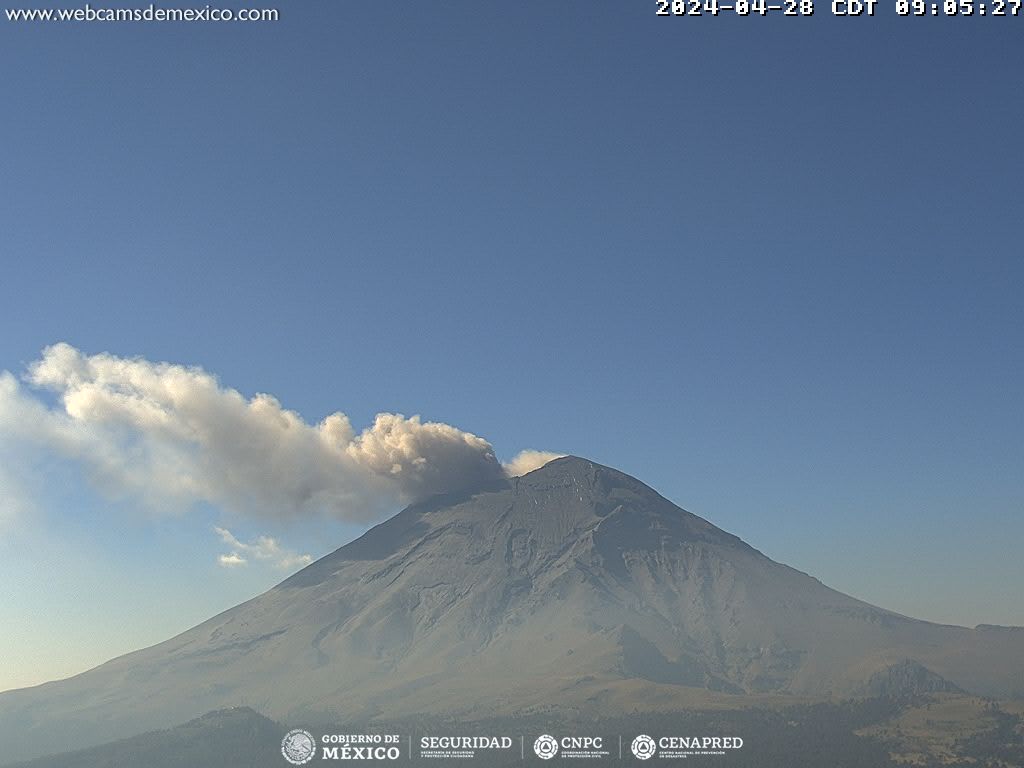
x=1003 y=745
x=231 y=738
x=808 y=736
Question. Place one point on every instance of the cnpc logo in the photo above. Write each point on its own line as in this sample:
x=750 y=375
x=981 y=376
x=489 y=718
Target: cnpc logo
x=548 y=746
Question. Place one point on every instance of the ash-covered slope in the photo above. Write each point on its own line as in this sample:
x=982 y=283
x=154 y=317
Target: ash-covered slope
x=574 y=588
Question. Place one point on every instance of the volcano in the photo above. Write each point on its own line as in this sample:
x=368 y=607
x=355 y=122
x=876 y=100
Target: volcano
x=575 y=589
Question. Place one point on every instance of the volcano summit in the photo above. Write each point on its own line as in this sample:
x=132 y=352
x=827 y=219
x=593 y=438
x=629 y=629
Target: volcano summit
x=574 y=588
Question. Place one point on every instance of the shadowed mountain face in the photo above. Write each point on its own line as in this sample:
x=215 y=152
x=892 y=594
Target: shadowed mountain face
x=574 y=588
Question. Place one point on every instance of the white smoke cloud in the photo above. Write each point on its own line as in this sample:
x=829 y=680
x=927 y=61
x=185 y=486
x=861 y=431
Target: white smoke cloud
x=263 y=548
x=171 y=436
x=527 y=461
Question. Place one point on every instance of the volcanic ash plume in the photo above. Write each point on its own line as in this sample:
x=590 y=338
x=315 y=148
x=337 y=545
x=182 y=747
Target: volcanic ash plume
x=172 y=435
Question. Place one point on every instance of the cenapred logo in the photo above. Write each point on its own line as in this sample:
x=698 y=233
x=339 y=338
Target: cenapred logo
x=298 y=747
x=546 y=747
x=643 y=747
x=678 y=747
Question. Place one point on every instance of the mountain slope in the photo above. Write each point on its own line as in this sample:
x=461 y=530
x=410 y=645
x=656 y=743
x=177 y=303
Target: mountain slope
x=574 y=587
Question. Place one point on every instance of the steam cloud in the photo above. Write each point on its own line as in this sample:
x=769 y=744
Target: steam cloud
x=528 y=460
x=171 y=435
x=263 y=548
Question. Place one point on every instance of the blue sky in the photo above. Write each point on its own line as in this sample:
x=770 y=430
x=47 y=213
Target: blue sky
x=772 y=267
